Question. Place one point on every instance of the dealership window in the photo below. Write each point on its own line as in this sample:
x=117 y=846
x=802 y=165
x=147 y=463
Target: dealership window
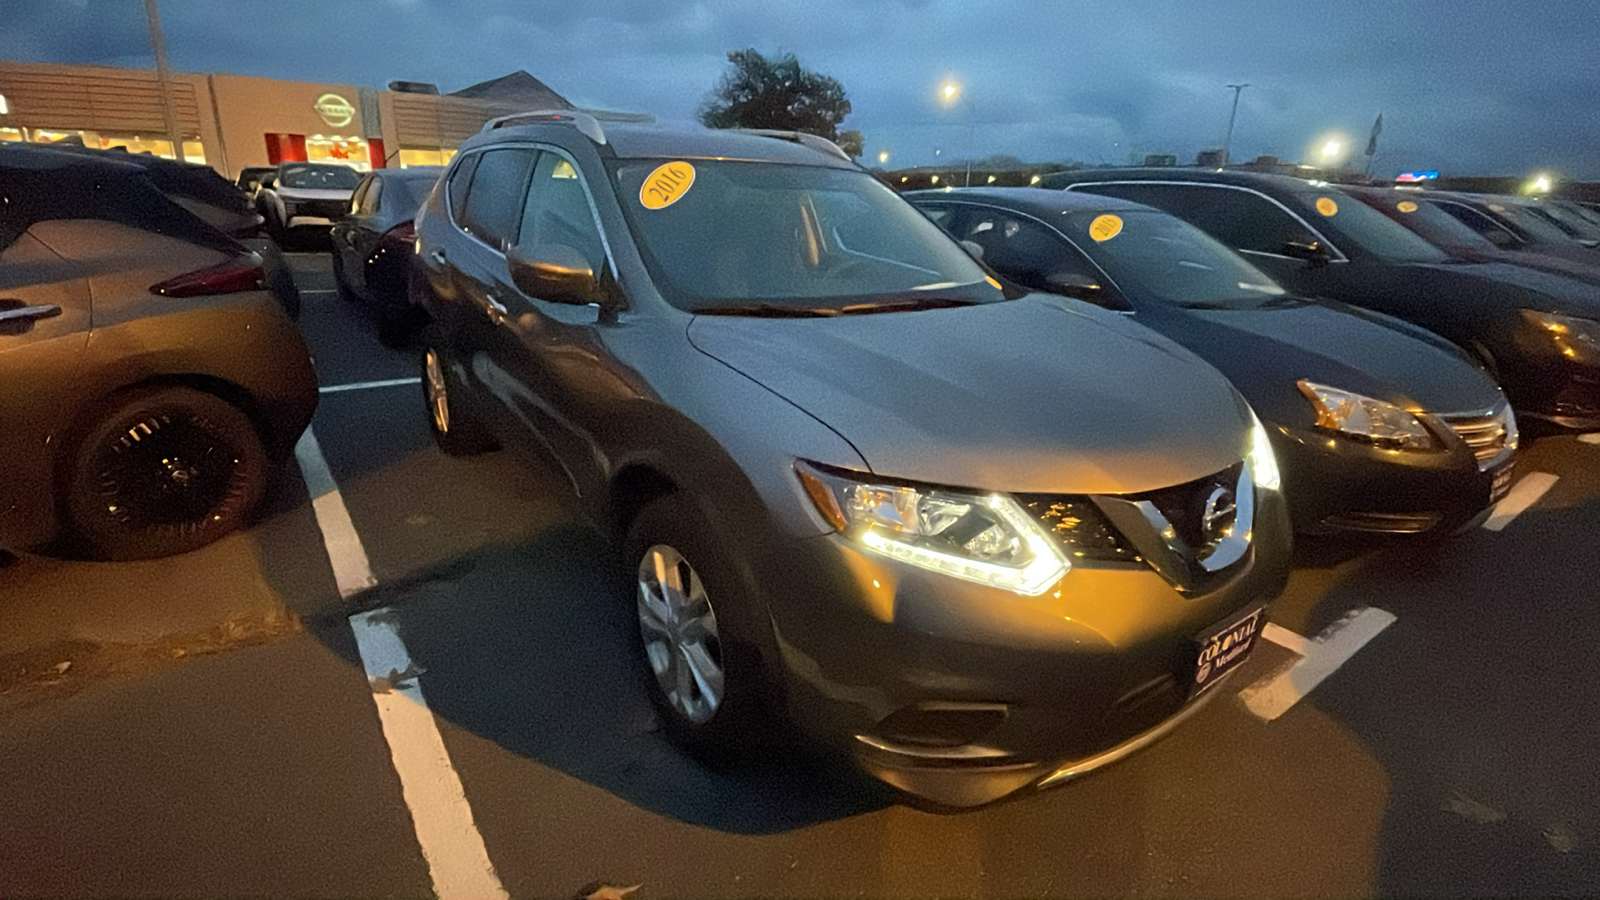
x=12 y=134
x=421 y=156
x=332 y=148
x=193 y=151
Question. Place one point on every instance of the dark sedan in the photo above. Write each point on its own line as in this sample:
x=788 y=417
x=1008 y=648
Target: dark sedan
x=147 y=377
x=1517 y=223
x=1536 y=332
x=1378 y=425
x=372 y=246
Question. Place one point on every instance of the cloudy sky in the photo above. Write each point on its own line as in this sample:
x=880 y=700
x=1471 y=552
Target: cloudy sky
x=1466 y=86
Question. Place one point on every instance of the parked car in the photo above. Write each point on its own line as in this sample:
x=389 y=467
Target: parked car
x=1512 y=224
x=372 y=247
x=1537 y=333
x=1377 y=425
x=250 y=179
x=306 y=196
x=147 y=378
x=977 y=540
x=1445 y=231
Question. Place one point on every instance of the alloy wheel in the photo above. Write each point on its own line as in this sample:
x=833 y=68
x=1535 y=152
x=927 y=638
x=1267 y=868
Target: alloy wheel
x=438 y=392
x=679 y=627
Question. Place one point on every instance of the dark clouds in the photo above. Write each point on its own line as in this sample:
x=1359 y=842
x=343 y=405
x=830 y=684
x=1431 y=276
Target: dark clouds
x=1465 y=86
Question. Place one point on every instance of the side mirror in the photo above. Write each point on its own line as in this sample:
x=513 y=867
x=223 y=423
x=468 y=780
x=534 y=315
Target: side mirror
x=1314 y=253
x=555 y=273
x=974 y=249
x=1074 y=285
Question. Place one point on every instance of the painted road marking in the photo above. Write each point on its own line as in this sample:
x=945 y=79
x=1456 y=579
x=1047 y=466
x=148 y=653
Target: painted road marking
x=318 y=291
x=1525 y=493
x=1273 y=695
x=368 y=385
x=1591 y=438
x=351 y=570
x=1285 y=638
x=458 y=861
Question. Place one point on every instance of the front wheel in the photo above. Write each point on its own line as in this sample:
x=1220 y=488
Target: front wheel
x=699 y=628
x=163 y=471
x=454 y=429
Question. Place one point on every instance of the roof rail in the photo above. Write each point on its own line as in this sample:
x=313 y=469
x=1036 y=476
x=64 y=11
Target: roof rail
x=802 y=138
x=587 y=124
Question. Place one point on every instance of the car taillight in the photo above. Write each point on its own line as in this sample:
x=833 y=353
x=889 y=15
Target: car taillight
x=403 y=234
x=228 y=278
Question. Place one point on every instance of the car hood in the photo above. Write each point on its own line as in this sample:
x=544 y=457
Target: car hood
x=1030 y=395
x=1264 y=352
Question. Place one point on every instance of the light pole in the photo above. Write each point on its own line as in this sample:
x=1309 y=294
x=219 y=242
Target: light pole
x=950 y=92
x=158 y=43
x=1227 y=142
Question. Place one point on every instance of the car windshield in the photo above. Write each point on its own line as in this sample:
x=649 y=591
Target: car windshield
x=1157 y=257
x=334 y=178
x=1433 y=224
x=1539 y=229
x=1573 y=224
x=1368 y=230
x=772 y=237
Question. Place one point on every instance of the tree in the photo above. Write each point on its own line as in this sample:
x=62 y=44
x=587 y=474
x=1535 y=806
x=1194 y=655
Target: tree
x=851 y=142
x=775 y=93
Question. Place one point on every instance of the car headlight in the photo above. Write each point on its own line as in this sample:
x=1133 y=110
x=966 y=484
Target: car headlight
x=1367 y=419
x=1263 y=464
x=1567 y=331
x=984 y=538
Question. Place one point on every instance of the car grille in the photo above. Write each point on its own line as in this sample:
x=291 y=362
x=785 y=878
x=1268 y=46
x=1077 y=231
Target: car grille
x=1491 y=437
x=1080 y=527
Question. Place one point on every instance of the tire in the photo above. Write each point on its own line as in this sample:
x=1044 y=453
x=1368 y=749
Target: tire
x=280 y=281
x=454 y=428
x=340 y=289
x=738 y=724
x=162 y=471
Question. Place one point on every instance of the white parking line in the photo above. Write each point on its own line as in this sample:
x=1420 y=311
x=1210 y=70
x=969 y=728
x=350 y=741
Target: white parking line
x=318 y=291
x=1273 y=695
x=1525 y=493
x=1283 y=637
x=1591 y=438
x=458 y=862
x=368 y=385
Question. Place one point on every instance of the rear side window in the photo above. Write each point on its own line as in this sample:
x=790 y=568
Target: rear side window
x=1239 y=219
x=369 y=200
x=493 y=210
x=460 y=181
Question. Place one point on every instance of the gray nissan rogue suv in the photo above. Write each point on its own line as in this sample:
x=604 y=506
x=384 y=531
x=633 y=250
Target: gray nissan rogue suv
x=975 y=538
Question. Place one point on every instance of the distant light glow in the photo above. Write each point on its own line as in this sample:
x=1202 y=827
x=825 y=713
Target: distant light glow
x=950 y=90
x=1541 y=183
x=1331 y=149
x=883 y=156
x=935 y=179
x=1033 y=180
x=991 y=179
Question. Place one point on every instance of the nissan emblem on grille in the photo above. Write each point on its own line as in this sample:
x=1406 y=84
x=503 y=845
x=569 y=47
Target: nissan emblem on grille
x=1218 y=514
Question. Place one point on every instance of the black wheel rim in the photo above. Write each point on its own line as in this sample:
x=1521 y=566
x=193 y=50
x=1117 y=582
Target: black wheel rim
x=170 y=472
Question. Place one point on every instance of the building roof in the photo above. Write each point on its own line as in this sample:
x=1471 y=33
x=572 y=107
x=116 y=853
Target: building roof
x=519 y=89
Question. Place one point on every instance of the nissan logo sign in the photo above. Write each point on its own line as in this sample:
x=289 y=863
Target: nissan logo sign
x=335 y=110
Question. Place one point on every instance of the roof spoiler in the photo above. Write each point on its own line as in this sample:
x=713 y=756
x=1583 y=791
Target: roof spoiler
x=586 y=121
x=802 y=138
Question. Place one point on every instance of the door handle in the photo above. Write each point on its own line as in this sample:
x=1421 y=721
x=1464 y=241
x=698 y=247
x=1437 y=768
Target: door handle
x=496 y=310
x=29 y=313
x=437 y=256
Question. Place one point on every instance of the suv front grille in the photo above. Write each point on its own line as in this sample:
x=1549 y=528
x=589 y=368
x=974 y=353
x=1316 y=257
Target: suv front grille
x=1080 y=527
x=1491 y=437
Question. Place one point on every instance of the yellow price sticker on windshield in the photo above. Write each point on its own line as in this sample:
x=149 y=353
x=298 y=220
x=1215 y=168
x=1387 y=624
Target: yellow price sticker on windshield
x=666 y=185
x=1406 y=206
x=1105 y=227
x=1326 y=206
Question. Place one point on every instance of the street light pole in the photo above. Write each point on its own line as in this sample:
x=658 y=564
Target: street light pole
x=1227 y=142
x=158 y=43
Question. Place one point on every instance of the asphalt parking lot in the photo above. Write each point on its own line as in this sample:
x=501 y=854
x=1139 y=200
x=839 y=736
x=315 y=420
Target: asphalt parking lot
x=1422 y=723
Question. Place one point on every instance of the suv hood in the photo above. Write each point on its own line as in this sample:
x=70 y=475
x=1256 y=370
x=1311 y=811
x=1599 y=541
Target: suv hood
x=1264 y=352
x=1029 y=395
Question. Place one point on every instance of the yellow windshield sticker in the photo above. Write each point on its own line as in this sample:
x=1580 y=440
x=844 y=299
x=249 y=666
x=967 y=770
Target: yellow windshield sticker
x=992 y=283
x=1105 y=227
x=666 y=185
x=1406 y=206
x=1326 y=206
x=1497 y=207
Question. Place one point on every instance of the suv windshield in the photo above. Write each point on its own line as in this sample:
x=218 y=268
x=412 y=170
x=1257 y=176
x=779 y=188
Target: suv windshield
x=1369 y=230
x=1162 y=258
x=788 y=237
x=312 y=176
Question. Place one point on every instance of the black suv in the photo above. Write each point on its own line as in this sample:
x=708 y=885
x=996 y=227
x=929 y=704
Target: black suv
x=976 y=538
x=1538 y=333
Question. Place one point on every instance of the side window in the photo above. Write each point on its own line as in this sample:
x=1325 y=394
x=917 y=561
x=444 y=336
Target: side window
x=1477 y=221
x=460 y=180
x=357 y=198
x=1239 y=219
x=369 y=200
x=494 y=196
x=557 y=211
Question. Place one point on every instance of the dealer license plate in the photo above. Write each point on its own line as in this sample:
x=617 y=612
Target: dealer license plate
x=1225 y=649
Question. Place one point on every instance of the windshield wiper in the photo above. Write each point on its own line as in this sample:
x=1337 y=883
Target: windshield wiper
x=767 y=311
x=910 y=305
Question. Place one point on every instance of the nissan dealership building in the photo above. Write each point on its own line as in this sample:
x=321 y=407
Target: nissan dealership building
x=233 y=121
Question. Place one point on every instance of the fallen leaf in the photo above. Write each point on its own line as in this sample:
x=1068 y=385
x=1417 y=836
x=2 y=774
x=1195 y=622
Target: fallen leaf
x=1560 y=837
x=599 y=891
x=62 y=667
x=1471 y=810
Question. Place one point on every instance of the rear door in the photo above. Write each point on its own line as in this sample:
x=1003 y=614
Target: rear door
x=44 y=329
x=344 y=232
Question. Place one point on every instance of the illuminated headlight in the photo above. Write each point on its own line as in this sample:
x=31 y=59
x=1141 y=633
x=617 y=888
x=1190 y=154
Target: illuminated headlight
x=1263 y=464
x=1567 y=331
x=1367 y=419
x=984 y=538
